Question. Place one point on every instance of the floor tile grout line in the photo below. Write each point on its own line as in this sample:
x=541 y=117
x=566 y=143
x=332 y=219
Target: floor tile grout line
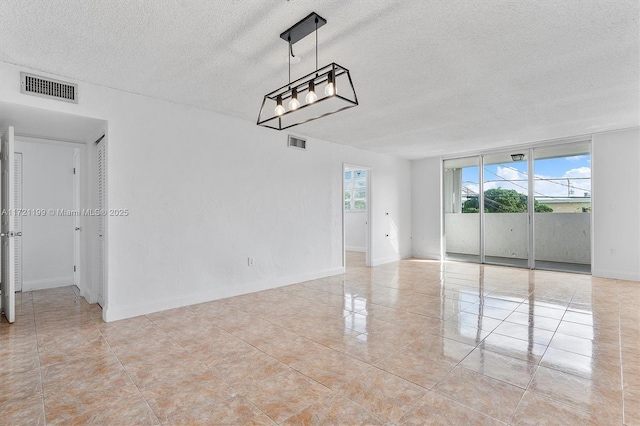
x=562 y=371
x=35 y=326
x=477 y=346
x=539 y=364
x=310 y=378
x=213 y=369
x=536 y=370
x=463 y=405
x=620 y=352
x=129 y=375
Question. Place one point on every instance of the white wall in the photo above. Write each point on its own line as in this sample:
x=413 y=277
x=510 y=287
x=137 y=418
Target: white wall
x=355 y=229
x=426 y=199
x=616 y=204
x=47 y=241
x=206 y=191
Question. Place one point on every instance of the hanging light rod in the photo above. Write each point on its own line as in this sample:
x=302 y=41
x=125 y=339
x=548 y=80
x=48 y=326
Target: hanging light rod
x=310 y=97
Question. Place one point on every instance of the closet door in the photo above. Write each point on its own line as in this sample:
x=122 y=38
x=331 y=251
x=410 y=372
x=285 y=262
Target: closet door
x=102 y=224
x=17 y=196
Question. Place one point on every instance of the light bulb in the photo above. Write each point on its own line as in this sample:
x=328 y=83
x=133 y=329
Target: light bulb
x=279 y=108
x=294 y=104
x=311 y=96
x=330 y=89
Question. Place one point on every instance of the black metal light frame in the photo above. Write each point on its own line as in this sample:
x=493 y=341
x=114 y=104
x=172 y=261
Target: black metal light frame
x=329 y=73
x=318 y=77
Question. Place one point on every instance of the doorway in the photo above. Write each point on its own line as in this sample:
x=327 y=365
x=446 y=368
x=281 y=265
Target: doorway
x=356 y=190
x=53 y=128
x=527 y=208
x=45 y=244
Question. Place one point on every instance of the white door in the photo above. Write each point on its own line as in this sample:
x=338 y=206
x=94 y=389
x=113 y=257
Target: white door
x=17 y=219
x=102 y=205
x=7 y=285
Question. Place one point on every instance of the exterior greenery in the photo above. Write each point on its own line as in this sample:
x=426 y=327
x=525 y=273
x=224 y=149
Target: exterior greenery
x=498 y=200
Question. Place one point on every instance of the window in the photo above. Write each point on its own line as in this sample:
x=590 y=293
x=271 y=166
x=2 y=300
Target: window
x=355 y=190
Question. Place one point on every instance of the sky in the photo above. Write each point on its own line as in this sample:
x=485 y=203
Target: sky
x=555 y=177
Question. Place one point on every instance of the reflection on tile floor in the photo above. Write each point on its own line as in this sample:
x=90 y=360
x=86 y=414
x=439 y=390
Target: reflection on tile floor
x=411 y=342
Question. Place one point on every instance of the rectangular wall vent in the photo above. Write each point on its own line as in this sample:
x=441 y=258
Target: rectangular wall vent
x=48 y=88
x=295 y=142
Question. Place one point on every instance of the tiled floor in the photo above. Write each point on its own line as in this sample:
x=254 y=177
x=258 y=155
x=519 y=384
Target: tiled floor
x=412 y=342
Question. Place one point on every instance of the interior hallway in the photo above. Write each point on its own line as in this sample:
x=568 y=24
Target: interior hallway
x=355 y=259
x=411 y=342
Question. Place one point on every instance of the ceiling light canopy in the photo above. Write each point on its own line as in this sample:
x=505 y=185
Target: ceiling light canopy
x=323 y=92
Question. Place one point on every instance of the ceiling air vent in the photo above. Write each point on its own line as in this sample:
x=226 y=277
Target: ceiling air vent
x=295 y=142
x=48 y=88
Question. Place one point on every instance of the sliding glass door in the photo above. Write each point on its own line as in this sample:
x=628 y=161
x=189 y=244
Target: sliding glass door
x=506 y=226
x=526 y=208
x=562 y=219
x=461 y=209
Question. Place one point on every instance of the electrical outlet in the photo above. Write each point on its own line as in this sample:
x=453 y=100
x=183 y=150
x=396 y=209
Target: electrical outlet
x=250 y=261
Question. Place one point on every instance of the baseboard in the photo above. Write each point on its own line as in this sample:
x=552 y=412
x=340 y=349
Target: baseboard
x=123 y=312
x=383 y=260
x=353 y=248
x=619 y=275
x=48 y=283
x=88 y=295
x=427 y=256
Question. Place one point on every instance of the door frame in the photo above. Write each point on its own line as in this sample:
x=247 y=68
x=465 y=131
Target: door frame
x=78 y=201
x=77 y=225
x=369 y=243
x=18 y=185
x=8 y=295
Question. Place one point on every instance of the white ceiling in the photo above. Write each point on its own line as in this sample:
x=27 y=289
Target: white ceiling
x=432 y=76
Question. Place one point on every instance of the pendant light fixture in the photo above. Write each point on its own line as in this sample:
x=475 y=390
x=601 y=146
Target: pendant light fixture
x=274 y=115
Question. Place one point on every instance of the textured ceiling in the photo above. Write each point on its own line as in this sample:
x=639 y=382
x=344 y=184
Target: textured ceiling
x=432 y=76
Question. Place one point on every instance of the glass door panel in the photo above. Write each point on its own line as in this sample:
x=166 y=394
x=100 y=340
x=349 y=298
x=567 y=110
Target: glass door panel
x=562 y=217
x=461 y=209
x=506 y=224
